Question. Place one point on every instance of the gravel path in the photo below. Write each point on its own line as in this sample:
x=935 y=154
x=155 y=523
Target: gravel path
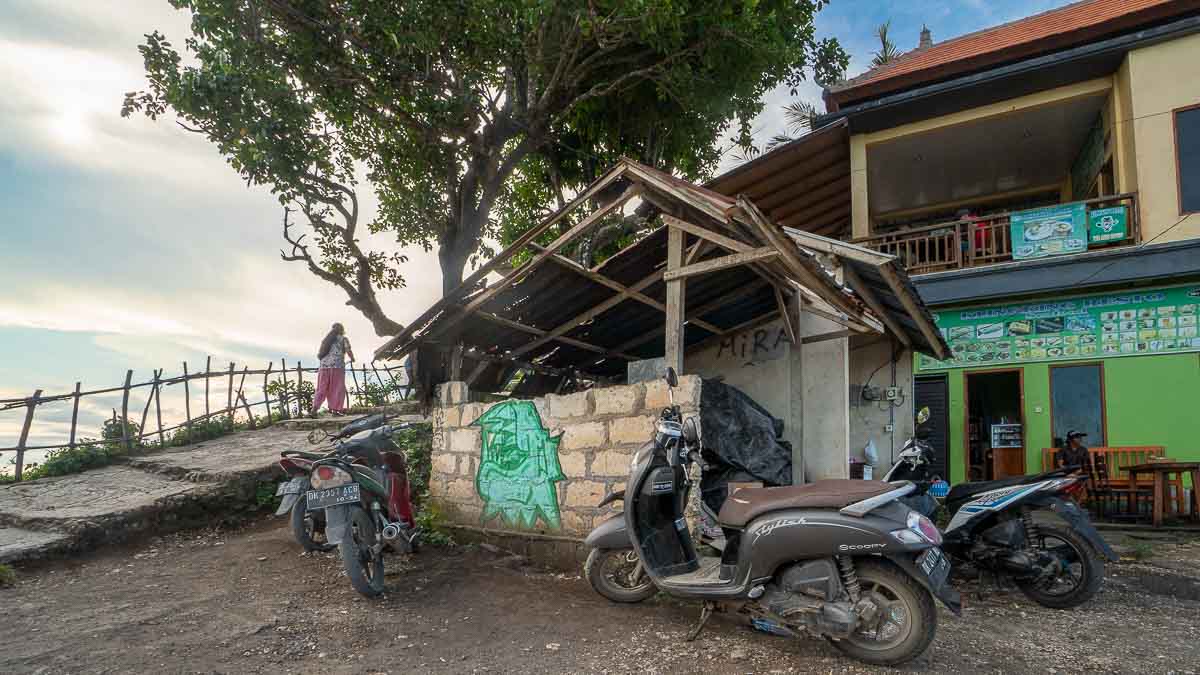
x=248 y=601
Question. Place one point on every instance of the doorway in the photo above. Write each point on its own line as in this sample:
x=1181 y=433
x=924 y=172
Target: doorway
x=995 y=430
x=933 y=392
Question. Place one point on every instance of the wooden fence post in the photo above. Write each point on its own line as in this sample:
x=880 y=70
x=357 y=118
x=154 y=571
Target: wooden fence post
x=207 y=375
x=299 y=382
x=74 y=415
x=158 y=408
x=125 y=411
x=187 y=402
x=241 y=388
x=266 y=396
x=146 y=410
x=229 y=392
x=356 y=387
x=33 y=402
x=284 y=396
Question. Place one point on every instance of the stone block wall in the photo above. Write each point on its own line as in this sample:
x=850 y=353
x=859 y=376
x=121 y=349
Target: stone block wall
x=593 y=433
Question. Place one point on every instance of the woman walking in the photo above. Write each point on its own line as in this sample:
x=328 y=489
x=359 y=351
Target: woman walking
x=331 y=376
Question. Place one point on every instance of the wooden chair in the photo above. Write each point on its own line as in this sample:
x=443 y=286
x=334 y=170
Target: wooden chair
x=1110 y=480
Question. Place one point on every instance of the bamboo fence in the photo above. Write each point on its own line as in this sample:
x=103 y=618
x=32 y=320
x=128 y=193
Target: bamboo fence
x=366 y=383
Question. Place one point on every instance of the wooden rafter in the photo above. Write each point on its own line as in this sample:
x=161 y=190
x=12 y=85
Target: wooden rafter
x=503 y=257
x=913 y=307
x=705 y=233
x=724 y=262
x=864 y=291
x=516 y=325
x=789 y=323
x=693 y=314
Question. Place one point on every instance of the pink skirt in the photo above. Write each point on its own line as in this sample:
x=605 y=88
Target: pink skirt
x=331 y=388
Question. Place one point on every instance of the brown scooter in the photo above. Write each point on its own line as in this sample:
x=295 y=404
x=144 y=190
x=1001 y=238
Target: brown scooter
x=840 y=559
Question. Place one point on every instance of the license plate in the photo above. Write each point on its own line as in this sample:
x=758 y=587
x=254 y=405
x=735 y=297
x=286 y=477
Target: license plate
x=935 y=566
x=291 y=487
x=342 y=494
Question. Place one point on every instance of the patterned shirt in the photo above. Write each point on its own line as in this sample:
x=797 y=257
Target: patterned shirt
x=337 y=352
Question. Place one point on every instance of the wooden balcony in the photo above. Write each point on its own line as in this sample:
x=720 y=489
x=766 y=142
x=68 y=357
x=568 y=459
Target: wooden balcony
x=974 y=242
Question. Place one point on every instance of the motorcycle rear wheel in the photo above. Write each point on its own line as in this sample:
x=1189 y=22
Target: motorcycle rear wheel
x=363 y=566
x=1085 y=569
x=911 y=613
x=610 y=572
x=309 y=528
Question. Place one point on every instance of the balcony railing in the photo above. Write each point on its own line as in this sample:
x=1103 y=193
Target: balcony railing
x=972 y=242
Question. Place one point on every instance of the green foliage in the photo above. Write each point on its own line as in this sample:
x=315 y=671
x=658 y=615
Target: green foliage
x=467 y=116
x=417 y=444
x=377 y=393
x=1142 y=550
x=887 y=49
x=205 y=430
x=297 y=398
x=432 y=522
x=264 y=495
x=8 y=576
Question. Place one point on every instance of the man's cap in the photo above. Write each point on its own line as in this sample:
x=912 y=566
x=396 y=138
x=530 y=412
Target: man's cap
x=1075 y=434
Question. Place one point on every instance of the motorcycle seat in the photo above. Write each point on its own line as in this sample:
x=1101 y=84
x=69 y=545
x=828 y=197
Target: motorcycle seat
x=747 y=504
x=964 y=491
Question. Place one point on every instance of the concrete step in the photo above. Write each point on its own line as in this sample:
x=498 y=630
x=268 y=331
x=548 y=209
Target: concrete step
x=19 y=544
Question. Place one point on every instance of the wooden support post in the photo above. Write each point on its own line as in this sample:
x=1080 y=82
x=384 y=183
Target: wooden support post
x=358 y=389
x=30 y=406
x=283 y=402
x=299 y=383
x=158 y=411
x=146 y=410
x=125 y=441
x=187 y=402
x=266 y=396
x=241 y=388
x=675 y=302
x=74 y=414
x=456 y=362
x=207 y=376
x=229 y=394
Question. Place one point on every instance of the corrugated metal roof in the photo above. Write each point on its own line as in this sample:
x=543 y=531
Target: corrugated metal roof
x=1048 y=31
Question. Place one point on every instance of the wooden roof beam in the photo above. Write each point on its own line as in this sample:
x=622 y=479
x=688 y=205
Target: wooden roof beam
x=724 y=262
x=864 y=291
x=516 y=325
x=691 y=315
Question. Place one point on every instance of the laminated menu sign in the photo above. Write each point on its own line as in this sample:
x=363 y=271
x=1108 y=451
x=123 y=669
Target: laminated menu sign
x=1054 y=230
x=1151 y=321
x=1105 y=225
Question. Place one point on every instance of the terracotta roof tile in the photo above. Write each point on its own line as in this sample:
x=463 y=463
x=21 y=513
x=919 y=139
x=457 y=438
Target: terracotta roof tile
x=1044 y=32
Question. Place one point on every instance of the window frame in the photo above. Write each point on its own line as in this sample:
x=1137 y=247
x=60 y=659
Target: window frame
x=1103 y=397
x=1178 y=165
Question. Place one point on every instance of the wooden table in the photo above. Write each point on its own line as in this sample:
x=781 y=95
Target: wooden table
x=1160 y=471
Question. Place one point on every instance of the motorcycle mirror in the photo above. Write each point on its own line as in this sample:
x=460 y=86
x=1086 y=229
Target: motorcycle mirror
x=923 y=415
x=672 y=378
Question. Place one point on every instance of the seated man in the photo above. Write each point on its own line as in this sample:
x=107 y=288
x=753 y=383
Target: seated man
x=1075 y=454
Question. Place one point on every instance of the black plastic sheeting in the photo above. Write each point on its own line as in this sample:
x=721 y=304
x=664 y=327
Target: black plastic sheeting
x=741 y=443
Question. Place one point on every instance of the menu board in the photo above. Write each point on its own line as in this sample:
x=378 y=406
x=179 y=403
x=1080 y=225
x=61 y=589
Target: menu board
x=1054 y=230
x=1152 y=321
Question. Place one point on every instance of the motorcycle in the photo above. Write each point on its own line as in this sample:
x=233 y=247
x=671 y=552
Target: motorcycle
x=993 y=527
x=363 y=491
x=308 y=527
x=839 y=559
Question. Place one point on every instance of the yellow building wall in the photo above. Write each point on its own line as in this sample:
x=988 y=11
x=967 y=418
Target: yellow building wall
x=1124 y=150
x=1162 y=77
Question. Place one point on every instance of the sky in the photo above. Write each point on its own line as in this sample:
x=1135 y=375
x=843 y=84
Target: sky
x=131 y=244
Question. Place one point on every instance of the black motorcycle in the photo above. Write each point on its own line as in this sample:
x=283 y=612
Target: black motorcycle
x=995 y=528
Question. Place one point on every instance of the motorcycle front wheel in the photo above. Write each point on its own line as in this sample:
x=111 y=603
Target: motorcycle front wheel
x=363 y=565
x=617 y=574
x=906 y=621
x=309 y=527
x=1079 y=579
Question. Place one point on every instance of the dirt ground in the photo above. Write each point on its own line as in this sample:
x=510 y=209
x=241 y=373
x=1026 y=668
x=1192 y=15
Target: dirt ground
x=248 y=601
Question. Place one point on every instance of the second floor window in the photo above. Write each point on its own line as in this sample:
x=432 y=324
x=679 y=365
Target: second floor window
x=1187 y=152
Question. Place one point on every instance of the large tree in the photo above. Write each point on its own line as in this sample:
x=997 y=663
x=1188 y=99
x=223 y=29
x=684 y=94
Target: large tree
x=463 y=116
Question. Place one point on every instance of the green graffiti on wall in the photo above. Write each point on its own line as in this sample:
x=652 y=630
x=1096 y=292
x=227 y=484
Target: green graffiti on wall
x=518 y=466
